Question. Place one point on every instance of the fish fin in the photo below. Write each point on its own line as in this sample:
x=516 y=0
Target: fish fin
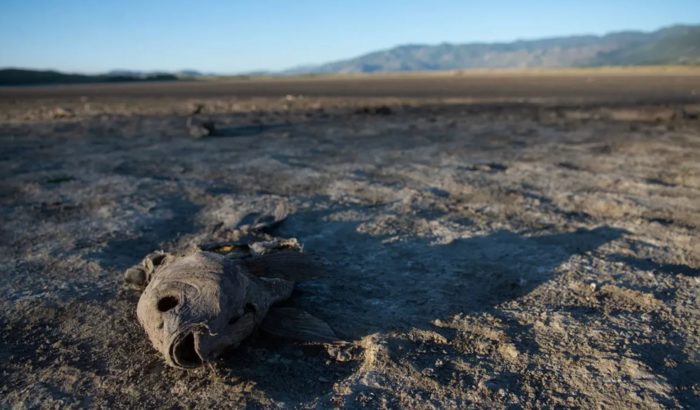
x=290 y=265
x=279 y=289
x=297 y=324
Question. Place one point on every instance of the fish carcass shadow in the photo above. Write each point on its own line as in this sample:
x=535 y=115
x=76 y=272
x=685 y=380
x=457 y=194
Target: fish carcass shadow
x=371 y=284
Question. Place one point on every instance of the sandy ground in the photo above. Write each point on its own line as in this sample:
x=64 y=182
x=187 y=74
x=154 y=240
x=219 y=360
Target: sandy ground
x=512 y=252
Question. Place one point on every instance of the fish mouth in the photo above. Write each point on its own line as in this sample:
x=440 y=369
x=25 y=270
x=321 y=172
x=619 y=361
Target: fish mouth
x=184 y=351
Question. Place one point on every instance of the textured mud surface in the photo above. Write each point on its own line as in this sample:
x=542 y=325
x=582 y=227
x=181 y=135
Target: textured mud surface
x=488 y=255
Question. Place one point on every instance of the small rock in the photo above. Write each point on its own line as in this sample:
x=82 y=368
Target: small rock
x=197 y=108
x=199 y=128
x=508 y=350
x=60 y=112
x=379 y=110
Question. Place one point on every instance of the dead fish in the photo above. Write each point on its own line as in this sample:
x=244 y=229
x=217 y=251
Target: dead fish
x=212 y=297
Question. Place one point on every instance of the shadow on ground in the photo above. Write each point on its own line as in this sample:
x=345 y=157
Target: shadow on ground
x=665 y=268
x=670 y=359
x=374 y=285
x=248 y=130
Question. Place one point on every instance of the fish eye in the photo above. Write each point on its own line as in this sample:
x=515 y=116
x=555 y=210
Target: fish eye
x=166 y=303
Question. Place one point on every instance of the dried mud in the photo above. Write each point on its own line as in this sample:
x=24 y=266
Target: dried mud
x=492 y=255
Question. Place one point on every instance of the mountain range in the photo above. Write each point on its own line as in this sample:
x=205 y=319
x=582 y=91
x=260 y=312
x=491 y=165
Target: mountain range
x=672 y=45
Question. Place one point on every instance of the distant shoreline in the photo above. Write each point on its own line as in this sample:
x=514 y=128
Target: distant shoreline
x=634 y=84
x=35 y=78
x=24 y=77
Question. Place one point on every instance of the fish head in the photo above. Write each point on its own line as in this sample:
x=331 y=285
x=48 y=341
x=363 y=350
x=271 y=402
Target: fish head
x=199 y=304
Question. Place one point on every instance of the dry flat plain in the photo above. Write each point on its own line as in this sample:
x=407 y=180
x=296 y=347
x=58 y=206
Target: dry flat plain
x=489 y=240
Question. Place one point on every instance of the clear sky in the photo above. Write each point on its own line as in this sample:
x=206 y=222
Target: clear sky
x=237 y=36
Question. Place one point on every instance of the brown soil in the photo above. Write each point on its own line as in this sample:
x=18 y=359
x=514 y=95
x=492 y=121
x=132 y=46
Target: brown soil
x=486 y=243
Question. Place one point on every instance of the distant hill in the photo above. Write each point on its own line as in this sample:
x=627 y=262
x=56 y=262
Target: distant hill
x=672 y=45
x=15 y=76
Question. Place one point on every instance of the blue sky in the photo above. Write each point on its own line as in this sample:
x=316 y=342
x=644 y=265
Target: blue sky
x=238 y=36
